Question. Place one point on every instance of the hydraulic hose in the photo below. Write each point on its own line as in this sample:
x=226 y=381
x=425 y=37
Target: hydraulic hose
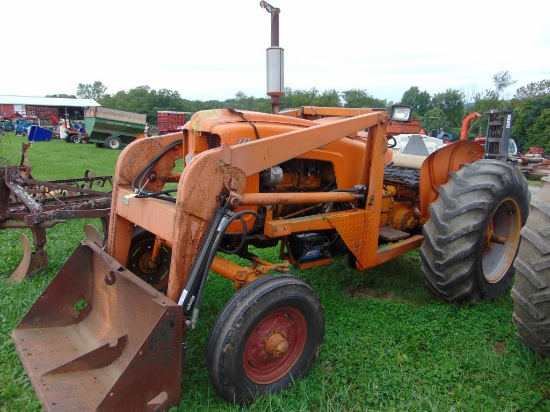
x=139 y=181
x=193 y=290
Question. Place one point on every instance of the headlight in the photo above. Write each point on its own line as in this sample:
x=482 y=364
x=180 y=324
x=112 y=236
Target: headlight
x=401 y=113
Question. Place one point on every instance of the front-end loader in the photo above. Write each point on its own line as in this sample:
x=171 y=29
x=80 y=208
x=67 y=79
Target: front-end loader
x=110 y=330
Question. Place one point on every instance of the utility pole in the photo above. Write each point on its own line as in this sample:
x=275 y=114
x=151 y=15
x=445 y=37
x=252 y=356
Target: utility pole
x=275 y=60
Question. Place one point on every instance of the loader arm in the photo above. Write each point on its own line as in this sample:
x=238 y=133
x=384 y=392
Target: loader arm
x=213 y=174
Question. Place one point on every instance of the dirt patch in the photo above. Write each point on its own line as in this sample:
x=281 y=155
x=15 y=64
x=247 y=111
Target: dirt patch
x=499 y=347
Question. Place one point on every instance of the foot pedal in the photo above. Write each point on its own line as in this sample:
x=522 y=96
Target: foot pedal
x=389 y=234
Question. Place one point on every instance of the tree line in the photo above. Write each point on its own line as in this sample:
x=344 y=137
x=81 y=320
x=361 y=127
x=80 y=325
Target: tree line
x=530 y=105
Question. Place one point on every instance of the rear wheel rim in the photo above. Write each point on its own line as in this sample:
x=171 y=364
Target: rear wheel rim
x=501 y=241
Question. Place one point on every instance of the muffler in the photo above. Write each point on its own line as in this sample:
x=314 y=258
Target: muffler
x=99 y=338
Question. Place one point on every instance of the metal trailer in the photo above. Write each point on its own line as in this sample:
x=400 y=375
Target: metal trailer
x=112 y=128
x=170 y=121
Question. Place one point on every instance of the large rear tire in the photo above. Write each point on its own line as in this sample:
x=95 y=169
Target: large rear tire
x=473 y=234
x=531 y=291
x=267 y=336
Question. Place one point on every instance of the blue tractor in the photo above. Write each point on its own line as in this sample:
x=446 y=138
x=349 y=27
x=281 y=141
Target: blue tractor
x=22 y=126
x=434 y=128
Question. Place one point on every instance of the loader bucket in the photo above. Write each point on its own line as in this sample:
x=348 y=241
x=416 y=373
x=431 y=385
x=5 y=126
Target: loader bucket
x=100 y=338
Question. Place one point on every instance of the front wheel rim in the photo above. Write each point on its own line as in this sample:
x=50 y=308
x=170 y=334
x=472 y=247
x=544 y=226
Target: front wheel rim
x=275 y=345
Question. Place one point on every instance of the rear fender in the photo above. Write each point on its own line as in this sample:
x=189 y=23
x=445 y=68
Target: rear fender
x=435 y=170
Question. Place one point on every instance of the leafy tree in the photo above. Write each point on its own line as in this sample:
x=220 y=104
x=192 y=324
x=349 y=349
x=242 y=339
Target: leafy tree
x=529 y=103
x=533 y=90
x=329 y=98
x=492 y=100
x=502 y=80
x=539 y=132
x=264 y=106
x=66 y=96
x=244 y=102
x=91 y=91
x=297 y=98
x=420 y=101
x=451 y=103
x=166 y=99
x=433 y=120
x=361 y=98
x=526 y=113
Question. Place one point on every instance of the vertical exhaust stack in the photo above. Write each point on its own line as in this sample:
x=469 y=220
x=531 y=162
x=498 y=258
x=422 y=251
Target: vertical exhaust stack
x=275 y=60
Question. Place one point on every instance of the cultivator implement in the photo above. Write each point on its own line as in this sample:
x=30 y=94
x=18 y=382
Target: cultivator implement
x=28 y=203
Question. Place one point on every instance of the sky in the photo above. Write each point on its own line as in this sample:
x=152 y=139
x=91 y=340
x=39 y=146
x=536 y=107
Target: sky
x=213 y=49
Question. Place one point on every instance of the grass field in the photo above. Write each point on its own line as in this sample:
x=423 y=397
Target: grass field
x=389 y=344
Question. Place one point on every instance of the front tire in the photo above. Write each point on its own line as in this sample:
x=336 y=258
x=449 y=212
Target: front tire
x=473 y=234
x=267 y=336
x=531 y=291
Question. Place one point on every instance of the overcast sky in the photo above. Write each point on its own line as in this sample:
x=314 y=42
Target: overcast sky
x=213 y=49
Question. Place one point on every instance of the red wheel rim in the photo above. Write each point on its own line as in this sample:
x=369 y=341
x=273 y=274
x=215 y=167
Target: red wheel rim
x=286 y=326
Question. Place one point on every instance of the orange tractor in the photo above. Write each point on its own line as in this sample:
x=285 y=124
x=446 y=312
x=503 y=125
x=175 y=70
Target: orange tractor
x=318 y=182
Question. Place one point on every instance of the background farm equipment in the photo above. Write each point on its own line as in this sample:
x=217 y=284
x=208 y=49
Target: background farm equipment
x=535 y=164
x=28 y=203
x=69 y=130
x=7 y=125
x=37 y=134
x=170 y=121
x=22 y=126
x=434 y=127
x=497 y=139
x=536 y=171
x=113 y=129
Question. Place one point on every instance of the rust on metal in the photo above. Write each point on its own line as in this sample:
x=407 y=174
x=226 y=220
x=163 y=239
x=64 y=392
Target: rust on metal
x=84 y=345
x=28 y=203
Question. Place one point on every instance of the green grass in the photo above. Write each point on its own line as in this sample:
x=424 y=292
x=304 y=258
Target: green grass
x=534 y=182
x=389 y=344
x=57 y=159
